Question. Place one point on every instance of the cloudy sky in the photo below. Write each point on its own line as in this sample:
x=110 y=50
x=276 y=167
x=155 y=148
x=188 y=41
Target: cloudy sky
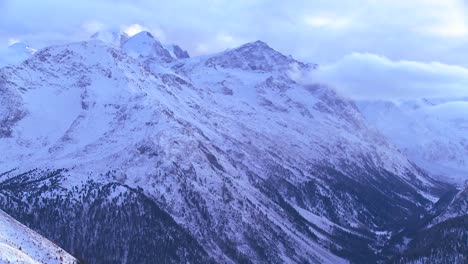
x=403 y=39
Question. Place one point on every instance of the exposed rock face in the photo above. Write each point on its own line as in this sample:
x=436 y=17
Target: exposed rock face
x=177 y=52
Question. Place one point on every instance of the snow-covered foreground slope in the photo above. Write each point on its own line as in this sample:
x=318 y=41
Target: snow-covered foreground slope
x=433 y=133
x=242 y=163
x=19 y=244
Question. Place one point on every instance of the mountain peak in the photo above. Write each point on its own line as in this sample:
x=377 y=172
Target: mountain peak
x=257 y=44
x=256 y=56
x=113 y=37
x=144 y=35
x=144 y=45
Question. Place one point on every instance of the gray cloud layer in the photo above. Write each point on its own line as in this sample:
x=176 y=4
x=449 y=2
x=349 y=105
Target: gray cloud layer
x=368 y=76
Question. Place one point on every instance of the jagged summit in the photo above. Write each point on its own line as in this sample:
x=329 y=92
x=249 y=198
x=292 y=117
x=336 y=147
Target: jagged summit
x=257 y=44
x=143 y=37
x=177 y=52
x=144 y=45
x=115 y=37
x=145 y=33
x=257 y=56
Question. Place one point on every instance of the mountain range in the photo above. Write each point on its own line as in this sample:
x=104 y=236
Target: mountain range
x=131 y=151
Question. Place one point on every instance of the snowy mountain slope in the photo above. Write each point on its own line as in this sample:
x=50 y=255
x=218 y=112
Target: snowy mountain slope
x=99 y=222
x=457 y=207
x=125 y=116
x=441 y=236
x=19 y=244
x=251 y=85
x=254 y=166
x=433 y=133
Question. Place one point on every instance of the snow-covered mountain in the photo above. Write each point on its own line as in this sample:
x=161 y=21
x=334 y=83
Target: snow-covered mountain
x=432 y=133
x=138 y=154
x=144 y=46
x=19 y=244
x=115 y=37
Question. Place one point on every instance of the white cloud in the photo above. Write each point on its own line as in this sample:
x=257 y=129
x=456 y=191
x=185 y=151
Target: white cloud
x=134 y=29
x=327 y=22
x=12 y=41
x=225 y=38
x=202 y=48
x=369 y=76
x=92 y=27
x=454 y=28
x=221 y=42
x=450 y=20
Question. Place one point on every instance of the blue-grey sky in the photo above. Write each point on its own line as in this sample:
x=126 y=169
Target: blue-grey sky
x=327 y=32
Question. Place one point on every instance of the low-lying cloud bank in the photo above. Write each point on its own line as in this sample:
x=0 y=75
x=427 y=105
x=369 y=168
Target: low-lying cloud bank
x=364 y=76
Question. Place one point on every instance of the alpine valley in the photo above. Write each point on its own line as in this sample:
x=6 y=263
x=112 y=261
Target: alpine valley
x=130 y=151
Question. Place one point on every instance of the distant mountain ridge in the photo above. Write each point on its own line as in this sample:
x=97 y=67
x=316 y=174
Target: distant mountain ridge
x=432 y=132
